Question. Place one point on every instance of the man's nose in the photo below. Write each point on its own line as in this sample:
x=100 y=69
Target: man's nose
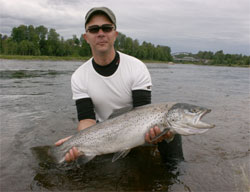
x=100 y=32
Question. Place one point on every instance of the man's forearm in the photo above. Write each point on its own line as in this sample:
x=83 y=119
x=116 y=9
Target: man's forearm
x=85 y=123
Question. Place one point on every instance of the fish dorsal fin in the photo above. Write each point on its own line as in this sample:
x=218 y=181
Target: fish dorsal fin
x=119 y=112
x=120 y=154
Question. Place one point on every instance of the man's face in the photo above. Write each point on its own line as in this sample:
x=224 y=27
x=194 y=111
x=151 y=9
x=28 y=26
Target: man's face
x=101 y=41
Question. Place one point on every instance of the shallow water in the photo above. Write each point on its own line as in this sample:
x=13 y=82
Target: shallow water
x=36 y=110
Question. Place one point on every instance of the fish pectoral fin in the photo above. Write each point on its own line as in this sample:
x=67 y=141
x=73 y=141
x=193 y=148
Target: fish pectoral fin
x=169 y=140
x=120 y=154
x=161 y=134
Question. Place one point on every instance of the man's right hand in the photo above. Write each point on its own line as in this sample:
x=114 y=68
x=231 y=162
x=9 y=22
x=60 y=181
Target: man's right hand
x=72 y=154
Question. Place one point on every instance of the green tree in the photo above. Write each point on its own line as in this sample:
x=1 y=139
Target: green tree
x=120 y=42
x=53 y=43
x=10 y=47
x=218 y=57
x=128 y=46
x=53 y=35
x=76 y=40
x=20 y=33
x=42 y=32
x=1 y=43
x=85 y=49
x=32 y=34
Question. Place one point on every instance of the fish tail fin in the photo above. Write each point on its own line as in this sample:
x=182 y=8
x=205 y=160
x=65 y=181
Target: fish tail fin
x=49 y=153
x=57 y=153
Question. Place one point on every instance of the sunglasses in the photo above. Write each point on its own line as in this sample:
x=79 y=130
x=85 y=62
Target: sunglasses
x=106 y=28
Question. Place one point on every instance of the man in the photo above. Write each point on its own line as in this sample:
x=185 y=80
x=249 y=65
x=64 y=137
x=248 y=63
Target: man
x=110 y=80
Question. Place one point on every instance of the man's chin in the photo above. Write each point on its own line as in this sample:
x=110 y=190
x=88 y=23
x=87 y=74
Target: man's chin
x=102 y=49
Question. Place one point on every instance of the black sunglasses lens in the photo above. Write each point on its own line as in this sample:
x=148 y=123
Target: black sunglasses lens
x=94 y=29
x=105 y=28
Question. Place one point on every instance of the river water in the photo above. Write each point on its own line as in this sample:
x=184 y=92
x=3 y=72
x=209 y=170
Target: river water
x=36 y=110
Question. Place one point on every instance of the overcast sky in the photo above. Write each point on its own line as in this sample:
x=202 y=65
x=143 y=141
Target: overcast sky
x=184 y=25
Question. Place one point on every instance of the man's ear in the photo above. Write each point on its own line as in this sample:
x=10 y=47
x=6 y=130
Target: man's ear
x=85 y=37
x=116 y=33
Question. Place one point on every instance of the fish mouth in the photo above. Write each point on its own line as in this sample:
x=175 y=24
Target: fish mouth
x=201 y=124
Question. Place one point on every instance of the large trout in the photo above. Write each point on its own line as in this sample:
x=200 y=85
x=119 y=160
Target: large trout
x=121 y=133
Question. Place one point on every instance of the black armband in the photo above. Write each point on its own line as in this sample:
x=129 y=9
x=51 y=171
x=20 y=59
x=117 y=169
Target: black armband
x=141 y=97
x=85 y=109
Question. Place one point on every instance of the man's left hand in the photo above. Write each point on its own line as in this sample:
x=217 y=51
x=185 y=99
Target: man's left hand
x=153 y=132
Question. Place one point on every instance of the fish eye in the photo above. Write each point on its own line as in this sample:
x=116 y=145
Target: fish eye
x=194 y=110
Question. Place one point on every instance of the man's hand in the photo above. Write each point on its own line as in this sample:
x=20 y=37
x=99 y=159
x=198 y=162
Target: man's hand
x=153 y=132
x=73 y=153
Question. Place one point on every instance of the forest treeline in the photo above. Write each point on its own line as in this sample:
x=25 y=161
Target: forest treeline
x=217 y=58
x=30 y=40
x=41 y=41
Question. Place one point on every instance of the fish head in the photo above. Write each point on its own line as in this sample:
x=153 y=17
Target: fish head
x=185 y=119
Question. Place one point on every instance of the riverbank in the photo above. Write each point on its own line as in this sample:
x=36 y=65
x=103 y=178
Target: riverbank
x=77 y=58
x=207 y=64
x=45 y=58
x=62 y=58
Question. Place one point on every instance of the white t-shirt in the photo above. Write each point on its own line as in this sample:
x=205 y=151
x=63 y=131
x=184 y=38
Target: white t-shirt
x=112 y=92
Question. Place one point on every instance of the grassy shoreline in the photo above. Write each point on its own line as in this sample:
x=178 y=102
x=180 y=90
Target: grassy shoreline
x=218 y=65
x=44 y=58
x=77 y=58
x=59 y=58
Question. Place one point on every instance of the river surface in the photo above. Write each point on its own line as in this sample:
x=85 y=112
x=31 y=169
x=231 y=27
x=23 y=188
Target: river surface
x=36 y=109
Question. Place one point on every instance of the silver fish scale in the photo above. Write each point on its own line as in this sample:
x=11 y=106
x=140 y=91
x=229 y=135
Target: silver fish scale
x=174 y=115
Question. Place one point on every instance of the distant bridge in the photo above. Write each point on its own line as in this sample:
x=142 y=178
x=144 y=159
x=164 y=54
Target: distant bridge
x=180 y=53
x=186 y=57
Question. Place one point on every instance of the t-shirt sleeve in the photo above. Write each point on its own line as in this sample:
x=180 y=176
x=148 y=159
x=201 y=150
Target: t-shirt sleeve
x=79 y=90
x=141 y=97
x=141 y=78
x=85 y=109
